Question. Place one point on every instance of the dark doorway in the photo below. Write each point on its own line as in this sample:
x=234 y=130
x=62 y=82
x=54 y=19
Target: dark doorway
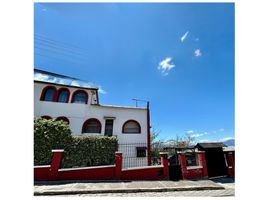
x=109 y=127
x=215 y=160
x=174 y=169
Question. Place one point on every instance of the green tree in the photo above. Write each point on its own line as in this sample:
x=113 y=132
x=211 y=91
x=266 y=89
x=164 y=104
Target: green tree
x=181 y=142
x=156 y=146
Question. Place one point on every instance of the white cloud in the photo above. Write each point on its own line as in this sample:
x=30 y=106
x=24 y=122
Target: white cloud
x=184 y=36
x=165 y=66
x=195 y=135
x=190 y=131
x=197 y=53
x=204 y=140
x=102 y=91
x=225 y=139
x=198 y=135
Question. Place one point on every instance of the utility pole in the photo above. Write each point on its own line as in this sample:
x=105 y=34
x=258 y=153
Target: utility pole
x=148 y=129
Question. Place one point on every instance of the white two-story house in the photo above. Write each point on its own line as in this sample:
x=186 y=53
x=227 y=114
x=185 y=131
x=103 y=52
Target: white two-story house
x=77 y=102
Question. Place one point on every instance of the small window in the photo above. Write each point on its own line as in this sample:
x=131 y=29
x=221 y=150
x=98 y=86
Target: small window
x=191 y=159
x=109 y=127
x=80 y=96
x=92 y=126
x=141 y=151
x=131 y=126
x=65 y=119
x=63 y=95
x=48 y=94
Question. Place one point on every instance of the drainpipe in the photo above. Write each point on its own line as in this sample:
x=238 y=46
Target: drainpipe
x=148 y=134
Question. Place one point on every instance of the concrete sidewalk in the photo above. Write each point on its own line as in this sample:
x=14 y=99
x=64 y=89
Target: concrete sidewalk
x=95 y=187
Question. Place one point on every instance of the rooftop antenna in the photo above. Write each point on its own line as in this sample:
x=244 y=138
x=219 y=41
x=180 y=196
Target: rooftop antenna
x=137 y=100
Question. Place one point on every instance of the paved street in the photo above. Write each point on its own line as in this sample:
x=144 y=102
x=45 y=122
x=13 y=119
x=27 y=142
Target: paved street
x=228 y=184
x=212 y=187
x=210 y=193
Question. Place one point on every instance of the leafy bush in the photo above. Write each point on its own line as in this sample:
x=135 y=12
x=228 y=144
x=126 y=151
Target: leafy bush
x=91 y=151
x=78 y=150
x=48 y=135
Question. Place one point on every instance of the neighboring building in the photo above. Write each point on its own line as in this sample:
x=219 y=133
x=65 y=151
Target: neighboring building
x=77 y=102
x=215 y=160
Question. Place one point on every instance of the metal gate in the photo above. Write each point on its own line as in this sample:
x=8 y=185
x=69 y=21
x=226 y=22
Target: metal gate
x=134 y=154
x=174 y=167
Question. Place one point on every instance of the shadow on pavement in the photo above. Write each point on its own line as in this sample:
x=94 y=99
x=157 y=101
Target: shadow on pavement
x=223 y=180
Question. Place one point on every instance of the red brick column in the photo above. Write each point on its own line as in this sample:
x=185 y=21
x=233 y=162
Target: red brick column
x=118 y=165
x=202 y=162
x=230 y=162
x=164 y=162
x=183 y=163
x=55 y=164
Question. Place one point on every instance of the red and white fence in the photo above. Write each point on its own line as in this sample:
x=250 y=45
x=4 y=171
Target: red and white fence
x=109 y=172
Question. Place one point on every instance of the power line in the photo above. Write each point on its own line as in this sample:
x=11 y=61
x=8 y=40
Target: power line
x=56 y=41
x=60 y=51
x=40 y=42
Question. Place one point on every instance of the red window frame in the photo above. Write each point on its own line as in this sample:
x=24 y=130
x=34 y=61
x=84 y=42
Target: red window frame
x=87 y=121
x=46 y=117
x=79 y=91
x=58 y=94
x=63 y=119
x=42 y=97
x=131 y=120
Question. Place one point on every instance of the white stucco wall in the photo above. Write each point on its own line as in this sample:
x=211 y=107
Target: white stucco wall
x=79 y=113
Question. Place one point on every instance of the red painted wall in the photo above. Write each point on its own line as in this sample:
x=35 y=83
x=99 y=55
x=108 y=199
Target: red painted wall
x=190 y=172
x=160 y=172
x=41 y=174
x=143 y=174
x=230 y=164
x=87 y=174
x=194 y=173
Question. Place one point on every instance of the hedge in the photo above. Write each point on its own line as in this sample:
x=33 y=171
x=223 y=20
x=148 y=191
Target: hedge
x=50 y=134
x=91 y=151
x=78 y=150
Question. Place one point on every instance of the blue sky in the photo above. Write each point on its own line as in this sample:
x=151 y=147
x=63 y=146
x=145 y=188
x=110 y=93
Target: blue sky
x=178 y=56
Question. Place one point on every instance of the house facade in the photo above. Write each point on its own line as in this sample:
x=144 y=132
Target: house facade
x=77 y=102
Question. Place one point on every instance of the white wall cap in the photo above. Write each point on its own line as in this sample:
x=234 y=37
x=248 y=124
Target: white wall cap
x=143 y=167
x=42 y=166
x=57 y=150
x=194 y=167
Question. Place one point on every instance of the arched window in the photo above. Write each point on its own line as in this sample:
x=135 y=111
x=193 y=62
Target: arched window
x=46 y=117
x=80 y=96
x=91 y=126
x=65 y=119
x=48 y=94
x=63 y=95
x=131 y=126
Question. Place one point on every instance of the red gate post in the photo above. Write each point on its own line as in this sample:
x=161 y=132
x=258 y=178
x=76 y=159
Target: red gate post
x=164 y=162
x=202 y=162
x=230 y=163
x=183 y=163
x=55 y=163
x=118 y=165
